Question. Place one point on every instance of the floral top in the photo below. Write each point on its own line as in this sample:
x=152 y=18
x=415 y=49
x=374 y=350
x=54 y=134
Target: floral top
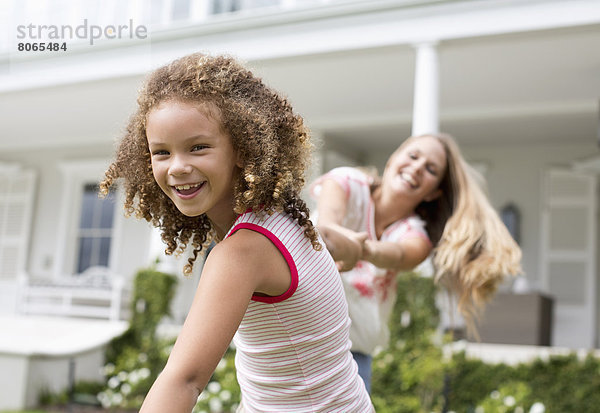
x=370 y=291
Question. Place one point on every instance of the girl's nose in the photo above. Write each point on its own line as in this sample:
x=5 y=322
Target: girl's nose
x=179 y=166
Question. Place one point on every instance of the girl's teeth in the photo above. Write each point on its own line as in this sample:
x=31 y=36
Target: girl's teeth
x=184 y=187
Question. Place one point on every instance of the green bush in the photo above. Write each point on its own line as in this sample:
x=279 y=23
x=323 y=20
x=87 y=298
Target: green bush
x=412 y=375
x=509 y=398
x=222 y=394
x=135 y=359
x=409 y=375
x=560 y=384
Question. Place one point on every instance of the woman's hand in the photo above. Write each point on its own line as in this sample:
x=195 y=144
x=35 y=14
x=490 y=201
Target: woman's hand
x=344 y=245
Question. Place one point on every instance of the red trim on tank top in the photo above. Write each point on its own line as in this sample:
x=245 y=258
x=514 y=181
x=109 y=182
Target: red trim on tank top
x=286 y=255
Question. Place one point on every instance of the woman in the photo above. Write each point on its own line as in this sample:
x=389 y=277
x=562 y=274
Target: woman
x=427 y=201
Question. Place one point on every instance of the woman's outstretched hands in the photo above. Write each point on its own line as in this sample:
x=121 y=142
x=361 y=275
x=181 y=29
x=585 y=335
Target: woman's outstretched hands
x=345 y=246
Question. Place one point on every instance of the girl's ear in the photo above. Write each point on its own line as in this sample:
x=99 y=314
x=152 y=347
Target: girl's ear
x=239 y=162
x=433 y=195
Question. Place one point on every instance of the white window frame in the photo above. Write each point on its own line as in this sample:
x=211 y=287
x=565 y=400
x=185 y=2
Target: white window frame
x=75 y=175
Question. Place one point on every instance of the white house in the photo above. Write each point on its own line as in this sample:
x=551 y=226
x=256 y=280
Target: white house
x=517 y=82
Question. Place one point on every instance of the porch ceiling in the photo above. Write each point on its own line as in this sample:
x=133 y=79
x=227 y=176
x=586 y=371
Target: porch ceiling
x=534 y=87
x=539 y=86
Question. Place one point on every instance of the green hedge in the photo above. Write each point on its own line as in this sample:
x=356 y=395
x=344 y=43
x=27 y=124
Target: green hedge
x=134 y=360
x=411 y=376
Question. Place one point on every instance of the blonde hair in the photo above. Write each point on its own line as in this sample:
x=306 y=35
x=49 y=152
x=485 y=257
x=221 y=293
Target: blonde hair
x=270 y=139
x=473 y=250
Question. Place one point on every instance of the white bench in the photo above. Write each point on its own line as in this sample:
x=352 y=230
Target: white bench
x=40 y=353
x=95 y=293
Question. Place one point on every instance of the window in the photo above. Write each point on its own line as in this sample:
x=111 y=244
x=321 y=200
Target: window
x=89 y=227
x=95 y=228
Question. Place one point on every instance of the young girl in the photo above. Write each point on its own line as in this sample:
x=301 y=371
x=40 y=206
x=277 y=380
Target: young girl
x=213 y=154
x=427 y=200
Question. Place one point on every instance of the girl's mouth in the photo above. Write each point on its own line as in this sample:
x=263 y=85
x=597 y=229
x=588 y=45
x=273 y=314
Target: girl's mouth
x=188 y=190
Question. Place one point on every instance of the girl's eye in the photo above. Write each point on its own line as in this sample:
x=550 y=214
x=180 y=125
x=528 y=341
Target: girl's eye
x=198 y=147
x=412 y=155
x=160 y=152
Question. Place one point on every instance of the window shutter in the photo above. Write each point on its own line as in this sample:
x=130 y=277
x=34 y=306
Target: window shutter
x=568 y=255
x=17 y=188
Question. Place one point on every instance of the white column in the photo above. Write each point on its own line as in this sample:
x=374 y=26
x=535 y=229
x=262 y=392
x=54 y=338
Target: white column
x=426 y=98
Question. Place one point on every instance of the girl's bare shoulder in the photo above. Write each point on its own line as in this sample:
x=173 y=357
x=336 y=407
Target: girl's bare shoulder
x=254 y=256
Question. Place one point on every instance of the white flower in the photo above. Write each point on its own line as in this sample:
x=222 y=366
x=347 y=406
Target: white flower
x=167 y=350
x=225 y=395
x=509 y=401
x=134 y=377
x=103 y=399
x=519 y=409
x=203 y=396
x=114 y=382
x=222 y=364
x=213 y=387
x=479 y=409
x=108 y=369
x=117 y=399
x=537 y=407
x=126 y=388
x=122 y=375
x=215 y=405
x=144 y=372
x=405 y=318
x=495 y=395
x=143 y=357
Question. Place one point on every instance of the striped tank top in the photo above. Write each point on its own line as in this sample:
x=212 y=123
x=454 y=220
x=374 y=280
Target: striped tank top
x=293 y=350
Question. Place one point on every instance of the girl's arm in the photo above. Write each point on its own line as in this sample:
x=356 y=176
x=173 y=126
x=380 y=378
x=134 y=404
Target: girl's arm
x=347 y=247
x=236 y=268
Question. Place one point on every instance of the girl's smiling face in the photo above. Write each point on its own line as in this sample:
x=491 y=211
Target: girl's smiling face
x=193 y=160
x=416 y=169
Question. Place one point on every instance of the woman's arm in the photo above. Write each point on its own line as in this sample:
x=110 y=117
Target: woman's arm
x=403 y=255
x=344 y=245
x=347 y=247
x=236 y=268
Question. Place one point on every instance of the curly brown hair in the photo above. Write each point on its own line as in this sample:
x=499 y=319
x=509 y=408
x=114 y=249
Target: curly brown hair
x=270 y=139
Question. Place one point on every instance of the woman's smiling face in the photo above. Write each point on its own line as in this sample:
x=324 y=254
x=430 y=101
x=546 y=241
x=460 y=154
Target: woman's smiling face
x=416 y=169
